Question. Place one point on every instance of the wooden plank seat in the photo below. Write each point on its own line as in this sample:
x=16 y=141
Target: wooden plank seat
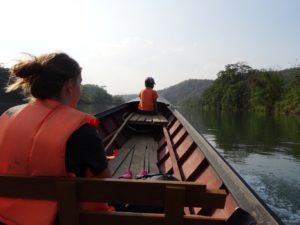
x=158 y=119
x=68 y=192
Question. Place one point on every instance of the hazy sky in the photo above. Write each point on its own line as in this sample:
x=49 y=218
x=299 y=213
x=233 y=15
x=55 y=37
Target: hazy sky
x=119 y=43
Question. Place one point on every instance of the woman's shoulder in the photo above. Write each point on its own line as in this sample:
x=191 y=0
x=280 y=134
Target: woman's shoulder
x=86 y=130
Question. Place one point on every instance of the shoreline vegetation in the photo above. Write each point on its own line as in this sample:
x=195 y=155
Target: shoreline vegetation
x=93 y=94
x=237 y=88
x=242 y=88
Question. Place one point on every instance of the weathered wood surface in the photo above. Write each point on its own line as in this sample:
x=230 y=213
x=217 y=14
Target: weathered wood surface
x=148 y=119
x=70 y=191
x=236 y=186
x=117 y=133
x=137 y=154
x=176 y=170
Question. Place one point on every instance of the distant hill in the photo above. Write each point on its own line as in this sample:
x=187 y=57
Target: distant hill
x=129 y=97
x=176 y=94
x=93 y=94
x=181 y=92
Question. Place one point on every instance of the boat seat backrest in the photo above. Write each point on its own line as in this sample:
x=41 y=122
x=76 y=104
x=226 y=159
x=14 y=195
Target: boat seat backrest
x=174 y=196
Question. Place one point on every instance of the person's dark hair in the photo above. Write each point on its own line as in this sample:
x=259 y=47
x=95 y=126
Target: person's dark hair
x=44 y=76
x=149 y=82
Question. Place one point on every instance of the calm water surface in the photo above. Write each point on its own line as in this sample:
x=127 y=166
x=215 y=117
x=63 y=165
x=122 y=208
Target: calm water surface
x=263 y=149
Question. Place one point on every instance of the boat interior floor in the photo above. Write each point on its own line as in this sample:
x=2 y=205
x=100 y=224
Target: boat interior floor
x=137 y=154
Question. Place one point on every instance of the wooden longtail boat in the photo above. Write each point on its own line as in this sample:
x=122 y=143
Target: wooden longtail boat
x=167 y=143
x=208 y=190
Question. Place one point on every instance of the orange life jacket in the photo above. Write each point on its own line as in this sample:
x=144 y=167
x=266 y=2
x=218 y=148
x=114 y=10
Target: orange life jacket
x=33 y=143
x=147 y=98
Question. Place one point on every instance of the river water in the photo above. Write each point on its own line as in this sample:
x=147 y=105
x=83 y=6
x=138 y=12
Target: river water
x=263 y=149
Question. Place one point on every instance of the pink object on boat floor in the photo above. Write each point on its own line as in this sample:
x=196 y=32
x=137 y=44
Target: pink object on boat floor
x=127 y=175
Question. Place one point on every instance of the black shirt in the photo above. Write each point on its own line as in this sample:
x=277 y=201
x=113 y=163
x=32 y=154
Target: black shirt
x=84 y=149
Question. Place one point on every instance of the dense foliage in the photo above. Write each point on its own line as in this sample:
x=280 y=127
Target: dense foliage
x=93 y=94
x=241 y=87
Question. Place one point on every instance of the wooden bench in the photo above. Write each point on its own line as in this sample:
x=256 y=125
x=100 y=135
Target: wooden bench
x=158 y=119
x=68 y=192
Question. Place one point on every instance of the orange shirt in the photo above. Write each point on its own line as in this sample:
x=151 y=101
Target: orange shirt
x=147 y=96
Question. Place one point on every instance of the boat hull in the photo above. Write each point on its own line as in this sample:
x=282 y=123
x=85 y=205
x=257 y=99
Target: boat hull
x=179 y=150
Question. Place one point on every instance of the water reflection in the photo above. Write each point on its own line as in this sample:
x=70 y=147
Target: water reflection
x=264 y=134
x=264 y=150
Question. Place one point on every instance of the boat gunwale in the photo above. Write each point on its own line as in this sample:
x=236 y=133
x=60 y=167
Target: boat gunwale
x=236 y=185
x=228 y=174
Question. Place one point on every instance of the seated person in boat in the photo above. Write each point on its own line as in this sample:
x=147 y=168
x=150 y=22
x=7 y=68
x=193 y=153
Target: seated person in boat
x=48 y=136
x=148 y=96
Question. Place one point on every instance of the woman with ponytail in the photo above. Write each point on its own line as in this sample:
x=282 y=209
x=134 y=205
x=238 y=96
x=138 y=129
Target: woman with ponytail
x=47 y=136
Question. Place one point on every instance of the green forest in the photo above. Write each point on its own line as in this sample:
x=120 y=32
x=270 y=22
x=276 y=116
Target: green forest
x=93 y=94
x=237 y=87
x=240 y=87
x=90 y=93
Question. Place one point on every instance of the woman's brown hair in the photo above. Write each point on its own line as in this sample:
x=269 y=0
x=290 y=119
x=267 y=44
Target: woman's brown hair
x=44 y=76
